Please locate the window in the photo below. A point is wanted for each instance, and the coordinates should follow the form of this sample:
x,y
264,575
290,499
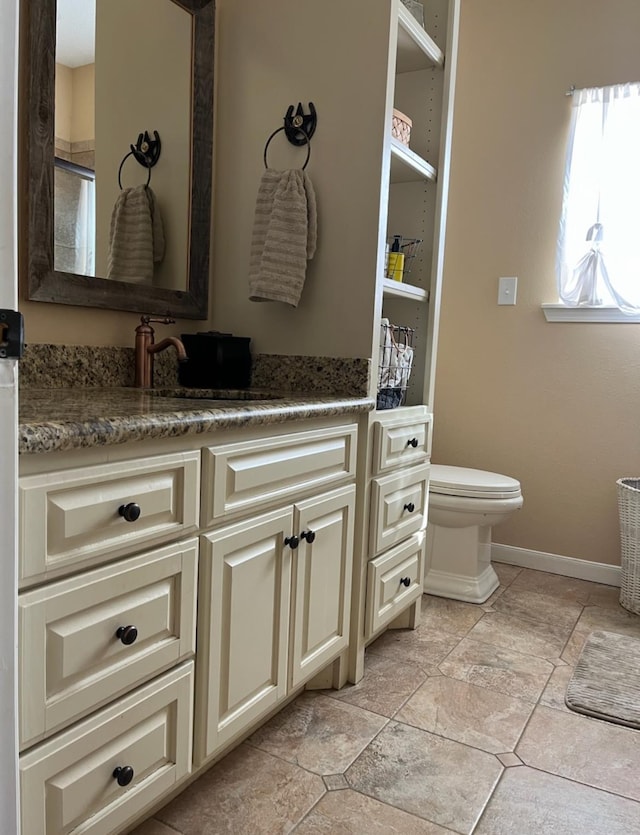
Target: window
x,y
598,254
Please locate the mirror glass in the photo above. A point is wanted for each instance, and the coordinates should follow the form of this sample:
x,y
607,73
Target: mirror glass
x,y
120,131
113,82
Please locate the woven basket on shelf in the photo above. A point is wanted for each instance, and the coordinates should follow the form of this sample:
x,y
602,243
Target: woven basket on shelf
x,y
629,509
401,127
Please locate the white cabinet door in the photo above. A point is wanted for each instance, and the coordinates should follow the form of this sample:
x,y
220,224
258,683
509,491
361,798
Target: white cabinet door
x,y
322,571
80,517
243,626
96,776
91,637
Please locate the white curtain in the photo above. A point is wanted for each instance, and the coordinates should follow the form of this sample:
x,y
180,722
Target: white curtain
x,y
598,253
85,229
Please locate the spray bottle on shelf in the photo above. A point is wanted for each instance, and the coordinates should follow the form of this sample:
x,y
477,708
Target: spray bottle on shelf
x,y
396,259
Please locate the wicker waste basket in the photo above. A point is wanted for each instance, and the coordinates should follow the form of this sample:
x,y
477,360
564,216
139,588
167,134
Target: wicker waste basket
x,y
629,509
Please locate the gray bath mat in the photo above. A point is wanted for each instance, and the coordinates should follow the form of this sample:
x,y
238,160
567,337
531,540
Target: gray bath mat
x,y
606,681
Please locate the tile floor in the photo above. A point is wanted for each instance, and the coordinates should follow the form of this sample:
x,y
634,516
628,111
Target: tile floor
x,y
459,726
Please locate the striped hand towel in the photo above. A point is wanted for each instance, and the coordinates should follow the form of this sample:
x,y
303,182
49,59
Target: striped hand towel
x,y
284,236
136,240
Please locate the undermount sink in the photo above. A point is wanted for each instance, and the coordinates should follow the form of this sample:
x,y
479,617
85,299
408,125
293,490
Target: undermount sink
x,y
216,394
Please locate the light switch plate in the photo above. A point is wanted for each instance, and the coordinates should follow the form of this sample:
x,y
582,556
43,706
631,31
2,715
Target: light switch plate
x,y
507,289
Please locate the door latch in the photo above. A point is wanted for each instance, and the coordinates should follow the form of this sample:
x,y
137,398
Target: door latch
x,y
11,335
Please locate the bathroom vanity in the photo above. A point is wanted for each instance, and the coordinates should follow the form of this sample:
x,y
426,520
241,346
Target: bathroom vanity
x,y
185,568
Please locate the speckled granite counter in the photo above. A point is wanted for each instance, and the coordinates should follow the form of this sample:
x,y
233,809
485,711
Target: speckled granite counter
x,y
60,419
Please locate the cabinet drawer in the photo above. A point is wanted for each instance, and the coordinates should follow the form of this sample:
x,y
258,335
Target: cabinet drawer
x,y
398,506
72,517
402,440
72,660
67,783
388,593
251,474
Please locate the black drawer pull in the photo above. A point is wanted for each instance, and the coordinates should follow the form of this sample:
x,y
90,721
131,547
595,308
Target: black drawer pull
x,y
410,507
292,542
308,535
405,581
131,511
412,442
123,774
127,635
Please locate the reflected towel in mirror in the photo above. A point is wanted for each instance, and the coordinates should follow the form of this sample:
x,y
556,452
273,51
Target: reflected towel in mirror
x,y
136,240
284,236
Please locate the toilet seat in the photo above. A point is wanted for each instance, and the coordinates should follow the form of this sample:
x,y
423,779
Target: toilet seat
x,y
473,484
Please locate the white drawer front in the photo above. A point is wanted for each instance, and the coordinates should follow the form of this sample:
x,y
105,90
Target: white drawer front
x,y
252,474
399,441
72,517
68,784
394,581
398,506
71,658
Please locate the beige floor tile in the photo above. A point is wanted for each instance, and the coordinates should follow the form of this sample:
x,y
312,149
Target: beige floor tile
x,y
320,734
425,646
350,813
248,791
428,776
529,637
503,670
554,584
449,615
528,802
474,715
586,750
154,827
533,605
553,694
596,617
606,596
506,573
487,606
386,685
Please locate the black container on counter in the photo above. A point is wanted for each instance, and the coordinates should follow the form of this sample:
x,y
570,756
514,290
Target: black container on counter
x,y
216,360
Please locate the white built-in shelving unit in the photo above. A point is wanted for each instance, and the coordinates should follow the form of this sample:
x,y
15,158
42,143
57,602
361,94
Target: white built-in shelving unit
x,y
420,84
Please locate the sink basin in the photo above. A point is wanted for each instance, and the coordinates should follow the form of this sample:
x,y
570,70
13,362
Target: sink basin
x,y
216,394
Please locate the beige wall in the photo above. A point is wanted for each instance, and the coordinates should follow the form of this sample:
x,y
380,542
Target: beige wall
x,y
84,99
64,102
555,405
75,103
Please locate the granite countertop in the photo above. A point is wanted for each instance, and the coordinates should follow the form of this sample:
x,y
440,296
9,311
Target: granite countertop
x,y
51,420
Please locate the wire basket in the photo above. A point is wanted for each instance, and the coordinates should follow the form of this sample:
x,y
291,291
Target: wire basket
x,y
395,362
629,510
409,248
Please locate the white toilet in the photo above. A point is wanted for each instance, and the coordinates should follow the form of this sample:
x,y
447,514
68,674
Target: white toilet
x,y
464,504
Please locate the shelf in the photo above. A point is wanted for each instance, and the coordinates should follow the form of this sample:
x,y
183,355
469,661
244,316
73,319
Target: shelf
x,y
407,166
416,49
400,290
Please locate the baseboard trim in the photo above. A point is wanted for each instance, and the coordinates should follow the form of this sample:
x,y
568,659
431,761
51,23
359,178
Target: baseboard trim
x,y
597,572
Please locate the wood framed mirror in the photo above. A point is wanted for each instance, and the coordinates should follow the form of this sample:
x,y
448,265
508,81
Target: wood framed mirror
x,y
192,160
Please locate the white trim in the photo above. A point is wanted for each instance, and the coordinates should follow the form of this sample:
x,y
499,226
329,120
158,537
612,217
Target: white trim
x,y
607,313
597,572
9,802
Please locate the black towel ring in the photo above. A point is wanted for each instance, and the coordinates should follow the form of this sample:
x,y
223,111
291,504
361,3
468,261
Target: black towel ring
x,y
148,167
304,135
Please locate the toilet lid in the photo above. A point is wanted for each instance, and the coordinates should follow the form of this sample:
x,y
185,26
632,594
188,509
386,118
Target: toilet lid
x,y
475,484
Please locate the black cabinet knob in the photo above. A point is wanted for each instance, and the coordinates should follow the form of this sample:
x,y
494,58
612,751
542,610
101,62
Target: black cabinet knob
x,y
412,442
308,535
127,634
292,542
123,774
405,581
410,507
131,511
